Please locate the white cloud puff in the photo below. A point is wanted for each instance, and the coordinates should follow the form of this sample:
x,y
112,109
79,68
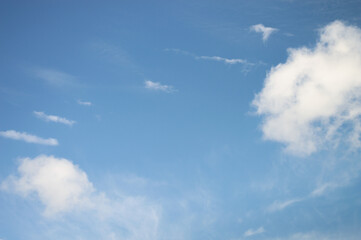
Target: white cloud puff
x,y
59,184
64,188
12,134
266,31
314,98
158,86
53,118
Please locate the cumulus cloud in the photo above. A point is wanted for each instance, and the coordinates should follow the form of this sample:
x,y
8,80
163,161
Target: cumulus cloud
x,y
57,182
251,232
28,137
84,103
314,97
266,31
63,188
158,86
53,118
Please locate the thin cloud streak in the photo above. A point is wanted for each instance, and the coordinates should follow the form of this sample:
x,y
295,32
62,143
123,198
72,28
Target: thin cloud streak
x,y
210,58
222,59
278,206
11,134
53,118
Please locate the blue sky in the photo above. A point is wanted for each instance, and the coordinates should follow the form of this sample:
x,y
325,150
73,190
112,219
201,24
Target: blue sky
x,y
135,120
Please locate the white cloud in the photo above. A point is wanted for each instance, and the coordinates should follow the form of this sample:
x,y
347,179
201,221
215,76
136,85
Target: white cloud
x,y
53,118
84,103
64,189
158,86
28,137
251,232
58,183
266,31
314,98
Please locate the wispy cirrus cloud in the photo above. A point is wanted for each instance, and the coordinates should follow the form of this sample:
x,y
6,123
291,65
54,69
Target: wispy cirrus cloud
x,y
84,103
278,205
266,31
210,58
23,136
336,178
252,232
53,118
156,86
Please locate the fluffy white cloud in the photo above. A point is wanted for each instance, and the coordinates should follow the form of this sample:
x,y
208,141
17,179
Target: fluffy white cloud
x,y
158,86
58,183
251,232
63,188
314,98
28,137
53,118
266,31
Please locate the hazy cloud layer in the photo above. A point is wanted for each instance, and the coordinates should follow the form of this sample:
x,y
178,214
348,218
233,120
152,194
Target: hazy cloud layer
x,y
56,78
314,98
53,118
12,134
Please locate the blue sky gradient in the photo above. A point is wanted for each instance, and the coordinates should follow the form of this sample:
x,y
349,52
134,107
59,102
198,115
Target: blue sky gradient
x,y
180,120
